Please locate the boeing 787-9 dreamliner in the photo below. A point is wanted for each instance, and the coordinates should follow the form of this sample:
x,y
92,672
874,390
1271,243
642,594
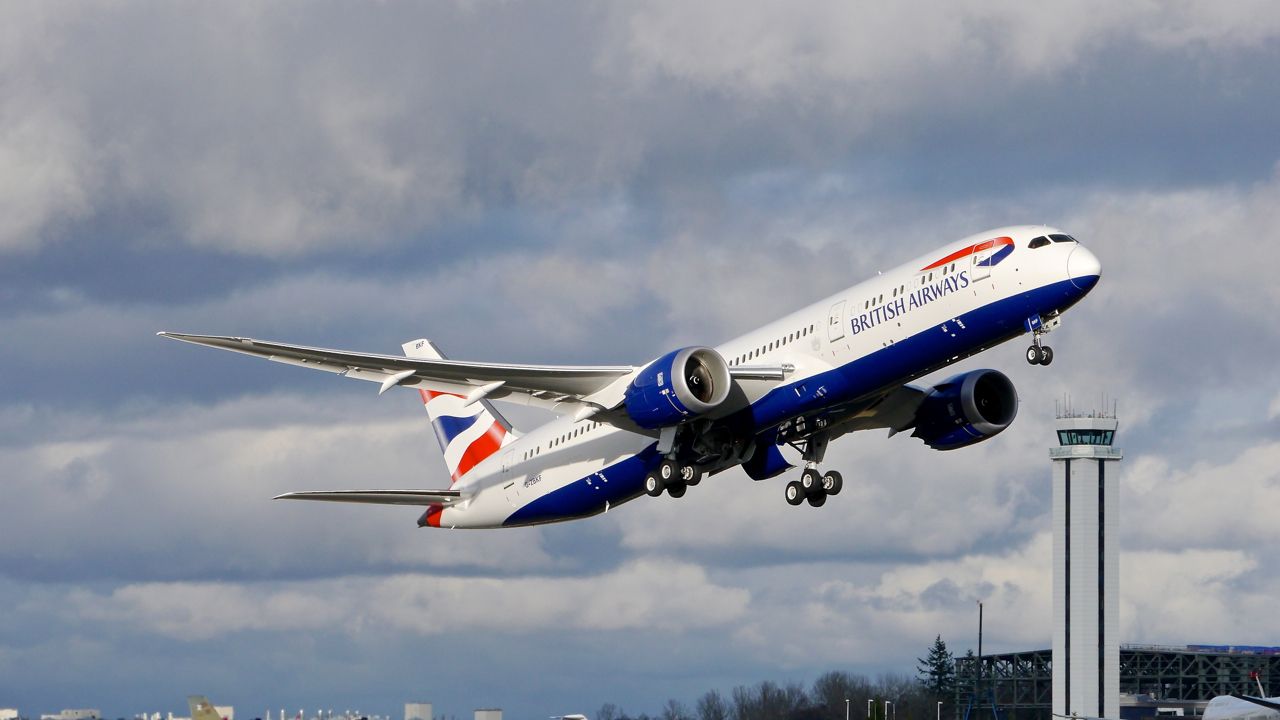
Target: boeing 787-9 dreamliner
x,y
839,365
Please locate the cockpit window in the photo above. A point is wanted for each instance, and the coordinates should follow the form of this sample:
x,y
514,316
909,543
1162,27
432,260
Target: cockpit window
x,y
1038,242
1061,238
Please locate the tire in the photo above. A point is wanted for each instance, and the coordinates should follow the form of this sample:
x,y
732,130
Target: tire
x,y
794,493
832,482
1033,355
818,500
668,470
811,481
676,490
690,475
653,485
1046,355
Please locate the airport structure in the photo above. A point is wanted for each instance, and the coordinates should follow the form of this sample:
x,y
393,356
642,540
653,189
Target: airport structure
x,y
84,714
1086,567
1088,673
488,714
1153,680
417,711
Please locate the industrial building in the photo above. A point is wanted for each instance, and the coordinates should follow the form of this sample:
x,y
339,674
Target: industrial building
x,y
1153,680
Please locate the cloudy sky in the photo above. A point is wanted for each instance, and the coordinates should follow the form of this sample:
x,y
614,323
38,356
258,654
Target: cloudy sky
x,y
596,183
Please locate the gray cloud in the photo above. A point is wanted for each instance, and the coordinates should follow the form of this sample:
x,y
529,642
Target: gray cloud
x,y
596,185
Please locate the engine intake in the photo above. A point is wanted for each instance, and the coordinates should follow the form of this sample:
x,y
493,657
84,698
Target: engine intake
x,y
966,409
678,386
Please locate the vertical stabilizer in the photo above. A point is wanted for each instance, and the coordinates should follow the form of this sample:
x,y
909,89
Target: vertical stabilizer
x,y
202,709
467,433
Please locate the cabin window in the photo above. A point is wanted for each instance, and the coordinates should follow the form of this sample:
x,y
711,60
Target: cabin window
x,y
1058,237
1038,242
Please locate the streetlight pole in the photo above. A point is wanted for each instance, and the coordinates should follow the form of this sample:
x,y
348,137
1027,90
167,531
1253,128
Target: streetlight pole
x,y
868,708
886,709
846,709
939,711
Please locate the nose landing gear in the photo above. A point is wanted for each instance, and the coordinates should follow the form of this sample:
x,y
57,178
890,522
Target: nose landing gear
x,y
1039,353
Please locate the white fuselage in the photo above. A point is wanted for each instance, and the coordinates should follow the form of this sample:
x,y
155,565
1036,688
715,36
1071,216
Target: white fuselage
x,y
903,323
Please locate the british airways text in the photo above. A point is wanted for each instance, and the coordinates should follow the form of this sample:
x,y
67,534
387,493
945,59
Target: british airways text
x,y
919,298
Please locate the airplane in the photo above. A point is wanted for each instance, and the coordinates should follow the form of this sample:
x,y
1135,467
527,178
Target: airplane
x,y
202,709
1242,707
837,366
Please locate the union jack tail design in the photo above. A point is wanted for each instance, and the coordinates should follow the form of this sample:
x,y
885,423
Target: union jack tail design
x,y
467,435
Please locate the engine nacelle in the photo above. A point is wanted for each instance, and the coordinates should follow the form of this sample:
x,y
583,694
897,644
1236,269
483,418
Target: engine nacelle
x,y
966,409
678,386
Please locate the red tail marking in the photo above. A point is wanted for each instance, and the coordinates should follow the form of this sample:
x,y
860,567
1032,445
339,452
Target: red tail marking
x,y
431,518
429,395
479,449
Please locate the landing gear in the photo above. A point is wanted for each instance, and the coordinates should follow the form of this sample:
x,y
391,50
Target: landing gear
x,y
653,484
832,483
813,487
1039,353
811,481
673,477
795,493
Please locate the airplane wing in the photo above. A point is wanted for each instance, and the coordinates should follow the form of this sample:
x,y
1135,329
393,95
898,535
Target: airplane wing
x,y
580,390
380,497
1269,703
564,389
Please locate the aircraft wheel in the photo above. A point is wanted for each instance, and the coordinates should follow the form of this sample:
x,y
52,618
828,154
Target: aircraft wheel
x,y
1033,355
1046,355
832,483
653,485
668,470
818,500
690,475
676,490
811,481
795,493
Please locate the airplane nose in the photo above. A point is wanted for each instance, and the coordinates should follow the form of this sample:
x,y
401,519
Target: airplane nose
x,y
1083,268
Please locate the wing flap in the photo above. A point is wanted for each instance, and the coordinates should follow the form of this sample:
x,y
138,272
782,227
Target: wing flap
x,y
419,498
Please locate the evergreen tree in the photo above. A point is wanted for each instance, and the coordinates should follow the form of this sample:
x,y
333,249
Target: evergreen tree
x,y
937,671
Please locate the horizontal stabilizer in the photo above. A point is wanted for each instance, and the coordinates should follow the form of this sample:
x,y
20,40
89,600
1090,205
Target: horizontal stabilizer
x,y
420,498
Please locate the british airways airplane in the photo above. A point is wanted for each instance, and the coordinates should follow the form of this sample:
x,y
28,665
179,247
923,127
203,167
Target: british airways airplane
x,y
839,365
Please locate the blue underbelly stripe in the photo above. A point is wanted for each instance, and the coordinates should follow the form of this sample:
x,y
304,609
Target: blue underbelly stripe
x,y
885,368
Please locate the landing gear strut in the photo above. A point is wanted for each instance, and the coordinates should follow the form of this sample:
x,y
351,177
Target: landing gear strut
x,y
813,487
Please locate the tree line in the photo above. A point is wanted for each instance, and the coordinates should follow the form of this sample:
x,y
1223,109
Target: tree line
x,y
833,696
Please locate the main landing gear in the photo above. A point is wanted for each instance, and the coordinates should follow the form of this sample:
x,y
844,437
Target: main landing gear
x,y
673,477
813,487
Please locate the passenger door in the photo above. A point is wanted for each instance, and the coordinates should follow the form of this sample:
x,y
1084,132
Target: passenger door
x,y
835,322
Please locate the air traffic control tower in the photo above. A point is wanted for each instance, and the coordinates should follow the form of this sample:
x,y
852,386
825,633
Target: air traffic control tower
x,y
1086,567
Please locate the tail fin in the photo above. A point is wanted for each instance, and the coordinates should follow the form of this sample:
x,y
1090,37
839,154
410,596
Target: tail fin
x,y
202,709
467,434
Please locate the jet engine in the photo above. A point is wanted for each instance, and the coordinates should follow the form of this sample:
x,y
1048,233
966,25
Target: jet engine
x,y
966,409
678,386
